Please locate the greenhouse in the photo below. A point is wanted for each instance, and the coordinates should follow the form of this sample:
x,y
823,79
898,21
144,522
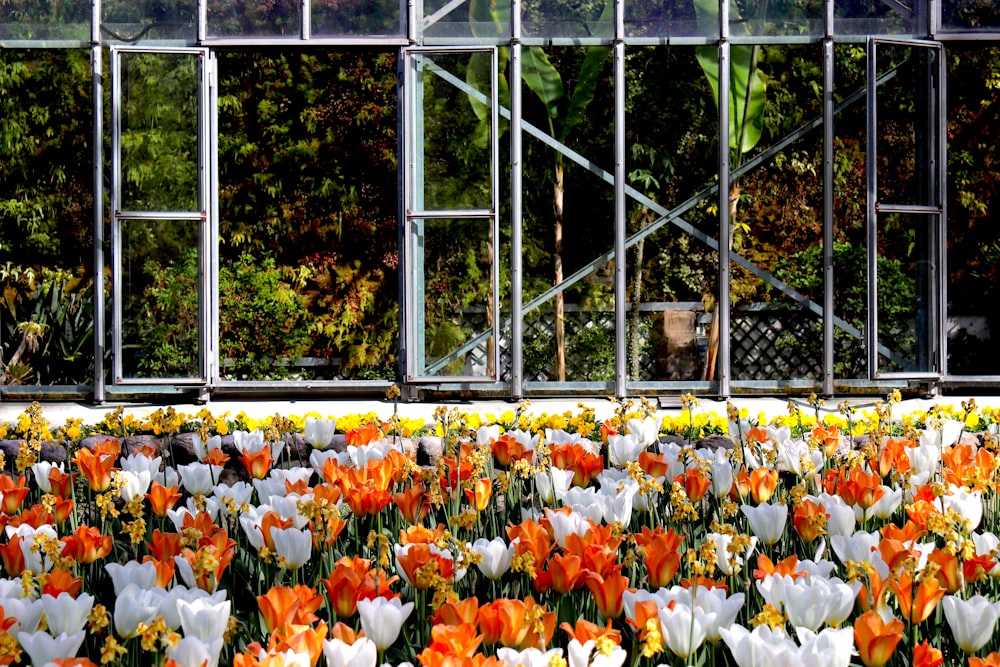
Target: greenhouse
x,y
497,200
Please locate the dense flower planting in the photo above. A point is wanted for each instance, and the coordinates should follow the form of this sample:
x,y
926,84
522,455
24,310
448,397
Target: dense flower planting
x,y
823,537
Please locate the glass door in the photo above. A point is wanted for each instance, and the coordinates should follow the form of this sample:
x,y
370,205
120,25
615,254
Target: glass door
x,y
161,210
451,254
906,208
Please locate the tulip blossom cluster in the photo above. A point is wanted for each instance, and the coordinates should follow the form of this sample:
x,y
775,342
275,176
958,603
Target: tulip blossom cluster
x,y
824,537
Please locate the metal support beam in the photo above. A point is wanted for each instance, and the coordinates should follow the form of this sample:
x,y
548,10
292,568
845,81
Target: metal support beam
x,y
829,114
516,209
96,73
621,259
722,365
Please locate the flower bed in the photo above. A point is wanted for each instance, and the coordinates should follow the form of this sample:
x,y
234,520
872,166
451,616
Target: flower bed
x,y
837,538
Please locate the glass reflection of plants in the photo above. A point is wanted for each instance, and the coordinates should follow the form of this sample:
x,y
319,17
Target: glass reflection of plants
x,y
159,133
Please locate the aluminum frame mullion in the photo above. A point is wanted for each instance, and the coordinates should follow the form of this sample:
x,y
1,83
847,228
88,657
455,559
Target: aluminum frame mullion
x,y
516,208
722,362
621,276
829,138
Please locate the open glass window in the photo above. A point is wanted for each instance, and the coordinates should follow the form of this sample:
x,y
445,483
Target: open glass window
x,y
160,208
450,191
906,208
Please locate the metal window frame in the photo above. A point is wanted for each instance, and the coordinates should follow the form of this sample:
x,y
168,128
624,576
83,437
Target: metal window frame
x,y
203,218
936,211
415,370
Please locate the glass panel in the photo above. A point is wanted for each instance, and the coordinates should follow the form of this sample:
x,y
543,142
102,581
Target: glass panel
x,y
860,17
770,18
126,21
159,131
340,18
904,115
850,272
656,18
25,20
970,15
973,197
240,18
676,272
161,298
554,18
454,298
906,293
480,22
46,218
452,170
309,282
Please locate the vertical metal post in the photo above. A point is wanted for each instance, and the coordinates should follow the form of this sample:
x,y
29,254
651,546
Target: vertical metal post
x,y
214,363
306,9
97,87
941,252
828,220
621,333
871,217
723,360
413,18
401,206
202,20
516,208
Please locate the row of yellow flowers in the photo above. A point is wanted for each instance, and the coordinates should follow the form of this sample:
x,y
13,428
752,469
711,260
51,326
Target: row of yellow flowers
x,y
803,542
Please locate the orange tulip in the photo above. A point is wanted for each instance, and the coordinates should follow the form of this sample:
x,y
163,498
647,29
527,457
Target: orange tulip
x,y
696,483
517,632
458,613
164,545
162,498
284,606
364,434
925,655
480,493
608,593
949,574
63,510
661,565
96,467
258,463
61,581
584,630
490,622
828,439
893,456
87,545
302,639
763,482
416,558
916,600
12,556
566,573
809,520
343,587
534,539
654,465
461,641
61,483
367,499
787,567
992,660
506,449
876,640
164,570
412,503
861,489
12,493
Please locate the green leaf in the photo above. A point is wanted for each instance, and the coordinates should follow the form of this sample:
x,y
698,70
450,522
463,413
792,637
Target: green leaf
x,y
585,89
746,83
542,78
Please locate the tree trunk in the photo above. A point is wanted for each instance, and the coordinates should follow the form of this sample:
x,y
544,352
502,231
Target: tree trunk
x,y
560,324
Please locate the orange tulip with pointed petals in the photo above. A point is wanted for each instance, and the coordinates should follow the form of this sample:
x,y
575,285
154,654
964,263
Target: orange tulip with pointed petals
x,y
87,545
584,631
363,435
949,574
534,539
279,609
893,456
490,622
343,587
302,639
412,503
258,463
661,565
61,581
809,520
457,613
61,483
916,600
608,592
506,449
164,546
162,498
12,556
12,493
96,467
925,655
480,493
992,660
696,483
786,567
516,632
460,640
763,483
567,573
828,438
876,640
654,465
